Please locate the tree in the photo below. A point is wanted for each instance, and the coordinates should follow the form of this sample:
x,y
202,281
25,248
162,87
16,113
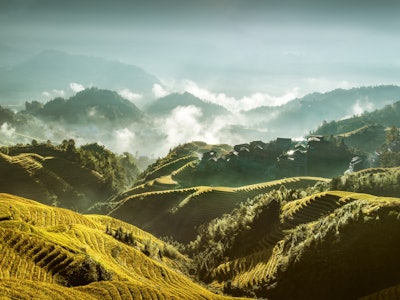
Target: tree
x,y
393,136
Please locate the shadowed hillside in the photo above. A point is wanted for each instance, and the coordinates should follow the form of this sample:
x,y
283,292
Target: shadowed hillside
x,y
178,212
52,253
292,244
64,175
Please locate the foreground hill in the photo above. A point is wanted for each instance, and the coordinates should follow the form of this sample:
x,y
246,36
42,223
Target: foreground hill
x,y
289,244
53,253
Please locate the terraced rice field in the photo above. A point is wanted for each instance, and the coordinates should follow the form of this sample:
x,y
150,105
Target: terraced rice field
x,y
177,212
269,260
39,244
170,167
391,293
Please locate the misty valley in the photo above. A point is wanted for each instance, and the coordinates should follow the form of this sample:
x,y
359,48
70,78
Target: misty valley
x,y
114,185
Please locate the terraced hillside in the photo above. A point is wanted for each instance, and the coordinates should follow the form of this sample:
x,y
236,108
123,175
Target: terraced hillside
x,y
44,177
367,138
178,161
331,245
54,253
178,212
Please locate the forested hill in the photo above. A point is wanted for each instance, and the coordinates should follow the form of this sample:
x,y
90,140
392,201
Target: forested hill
x,y
311,110
386,116
65,175
88,106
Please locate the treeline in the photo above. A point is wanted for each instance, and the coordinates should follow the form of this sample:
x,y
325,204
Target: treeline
x,y
92,104
379,182
119,172
235,235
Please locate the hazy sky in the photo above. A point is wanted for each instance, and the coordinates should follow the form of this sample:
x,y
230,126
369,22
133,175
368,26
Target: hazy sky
x,y
233,46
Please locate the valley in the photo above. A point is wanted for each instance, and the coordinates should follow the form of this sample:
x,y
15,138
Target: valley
x,y
279,218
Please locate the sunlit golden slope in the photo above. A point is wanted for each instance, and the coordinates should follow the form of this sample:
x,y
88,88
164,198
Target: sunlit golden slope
x,y
177,212
335,245
53,253
44,177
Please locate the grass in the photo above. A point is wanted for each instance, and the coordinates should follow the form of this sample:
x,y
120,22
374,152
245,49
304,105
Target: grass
x,y
41,246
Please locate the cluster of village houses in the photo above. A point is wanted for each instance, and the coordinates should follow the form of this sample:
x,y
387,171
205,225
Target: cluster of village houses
x,y
285,157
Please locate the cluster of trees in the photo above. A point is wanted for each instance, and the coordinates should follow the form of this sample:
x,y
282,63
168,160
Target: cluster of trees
x,y
390,151
121,235
94,103
233,235
119,171
86,271
380,182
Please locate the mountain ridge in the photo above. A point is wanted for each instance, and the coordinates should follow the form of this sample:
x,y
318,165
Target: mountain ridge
x,y
57,70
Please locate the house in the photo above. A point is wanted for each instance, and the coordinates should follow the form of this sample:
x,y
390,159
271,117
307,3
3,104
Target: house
x,y
283,144
240,147
209,155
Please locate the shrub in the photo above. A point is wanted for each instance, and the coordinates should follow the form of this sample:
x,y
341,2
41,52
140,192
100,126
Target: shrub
x,y
83,273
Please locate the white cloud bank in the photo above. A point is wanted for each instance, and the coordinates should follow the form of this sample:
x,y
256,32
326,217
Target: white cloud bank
x,y
129,95
231,103
7,129
54,93
76,87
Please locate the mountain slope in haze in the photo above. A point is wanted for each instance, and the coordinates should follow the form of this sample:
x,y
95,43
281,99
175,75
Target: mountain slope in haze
x,y
167,104
367,131
55,70
387,116
53,253
11,55
90,106
297,117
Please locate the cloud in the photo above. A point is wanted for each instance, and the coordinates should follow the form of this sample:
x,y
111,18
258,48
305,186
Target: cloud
x,y
54,93
76,87
7,129
129,95
362,106
233,104
124,140
183,124
322,85
159,91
